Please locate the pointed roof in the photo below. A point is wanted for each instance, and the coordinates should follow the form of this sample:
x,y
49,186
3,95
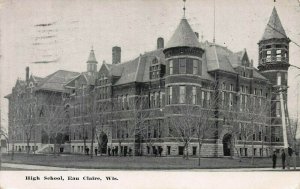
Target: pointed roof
x,y
183,36
274,28
92,57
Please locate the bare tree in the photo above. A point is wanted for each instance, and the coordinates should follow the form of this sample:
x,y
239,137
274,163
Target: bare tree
x,y
54,120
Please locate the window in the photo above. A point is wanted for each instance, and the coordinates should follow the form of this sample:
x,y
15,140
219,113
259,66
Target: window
x,y
230,99
171,67
202,98
170,95
208,98
278,55
151,100
156,99
268,59
127,101
278,79
231,87
182,66
182,94
277,109
123,102
195,66
223,98
169,150
241,102
194,97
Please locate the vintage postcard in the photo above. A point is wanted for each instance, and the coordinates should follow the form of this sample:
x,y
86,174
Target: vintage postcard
x,y
150,94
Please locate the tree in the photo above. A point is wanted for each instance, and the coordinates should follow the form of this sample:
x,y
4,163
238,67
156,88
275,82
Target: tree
x,y
54,118
27,117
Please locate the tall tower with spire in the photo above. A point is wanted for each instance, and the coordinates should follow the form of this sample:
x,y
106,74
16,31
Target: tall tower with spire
x,y
92,63
274,64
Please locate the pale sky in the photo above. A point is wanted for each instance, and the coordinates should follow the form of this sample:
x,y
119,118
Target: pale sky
x,y
134,26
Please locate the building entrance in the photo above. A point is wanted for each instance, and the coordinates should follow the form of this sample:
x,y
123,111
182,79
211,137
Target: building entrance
x,y
227,145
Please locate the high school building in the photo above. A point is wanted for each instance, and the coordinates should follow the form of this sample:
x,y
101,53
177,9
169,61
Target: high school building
x,y
166,100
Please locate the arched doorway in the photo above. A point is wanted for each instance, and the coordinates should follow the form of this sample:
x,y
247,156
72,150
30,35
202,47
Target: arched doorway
x,y
103,139
227,145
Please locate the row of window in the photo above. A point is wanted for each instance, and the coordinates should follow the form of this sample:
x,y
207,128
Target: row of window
x,y
182,95
185,66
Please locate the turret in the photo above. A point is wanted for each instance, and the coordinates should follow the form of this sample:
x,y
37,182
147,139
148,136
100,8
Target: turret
x,y
274,64
92,63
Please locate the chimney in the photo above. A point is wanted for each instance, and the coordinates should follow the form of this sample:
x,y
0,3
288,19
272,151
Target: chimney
x,y
197,35
116,55
27,73
160,43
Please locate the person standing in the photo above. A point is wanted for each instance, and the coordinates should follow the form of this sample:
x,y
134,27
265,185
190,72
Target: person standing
x,y
283,159
113,151
274,158
108,151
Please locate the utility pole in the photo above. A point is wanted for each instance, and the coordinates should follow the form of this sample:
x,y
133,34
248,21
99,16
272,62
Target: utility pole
x,y
283,119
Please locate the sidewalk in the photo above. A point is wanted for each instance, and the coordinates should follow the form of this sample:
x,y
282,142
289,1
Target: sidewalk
x,y
50,168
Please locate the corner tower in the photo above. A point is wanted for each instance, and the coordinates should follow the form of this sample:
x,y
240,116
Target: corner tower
x,y
183,56
274,64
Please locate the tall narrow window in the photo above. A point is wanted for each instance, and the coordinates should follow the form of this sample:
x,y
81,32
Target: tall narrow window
x,y
127,100
182,94
156,99
241,102
123,102
278,78
268,59
152,100
170,95
230,99
278,55
208,98
194,98
223,98
182,66
195,66
171,67
202,98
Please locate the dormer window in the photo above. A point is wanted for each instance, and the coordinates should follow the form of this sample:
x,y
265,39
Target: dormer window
x,y
155,69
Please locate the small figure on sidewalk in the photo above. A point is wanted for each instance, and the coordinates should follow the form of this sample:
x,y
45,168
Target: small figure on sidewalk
x,y
160,151
113,151
96,151
108,151
283,159
274,159
87,151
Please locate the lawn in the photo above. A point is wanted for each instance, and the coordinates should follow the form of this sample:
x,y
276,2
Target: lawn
x,y
143,162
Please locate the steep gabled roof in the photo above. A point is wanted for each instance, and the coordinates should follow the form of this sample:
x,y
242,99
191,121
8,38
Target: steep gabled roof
x,y
183,36
57,80
274,28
